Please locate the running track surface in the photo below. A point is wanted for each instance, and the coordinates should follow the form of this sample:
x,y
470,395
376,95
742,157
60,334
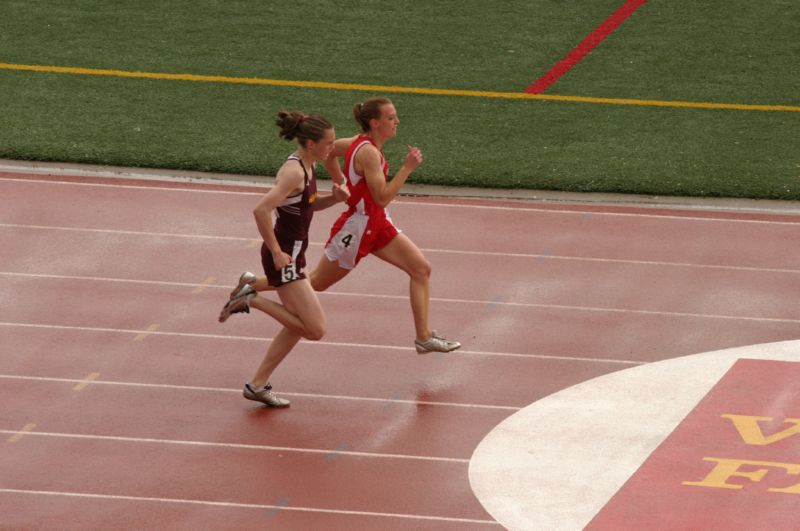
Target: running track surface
x,y
121,392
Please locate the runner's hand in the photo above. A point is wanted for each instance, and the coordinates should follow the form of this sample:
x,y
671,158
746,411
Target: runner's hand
x,y
281,260
413,158
340,192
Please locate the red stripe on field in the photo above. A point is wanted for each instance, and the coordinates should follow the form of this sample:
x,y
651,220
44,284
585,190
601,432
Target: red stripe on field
x,y
587,45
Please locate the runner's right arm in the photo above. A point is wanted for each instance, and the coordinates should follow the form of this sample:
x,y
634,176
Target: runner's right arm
x,y
384,192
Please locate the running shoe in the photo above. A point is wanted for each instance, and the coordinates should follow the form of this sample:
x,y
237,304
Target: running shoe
x,y
435,344
246,279
240,302
264,395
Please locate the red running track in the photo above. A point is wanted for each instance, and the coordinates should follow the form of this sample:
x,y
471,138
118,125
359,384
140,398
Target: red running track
x,y
121,391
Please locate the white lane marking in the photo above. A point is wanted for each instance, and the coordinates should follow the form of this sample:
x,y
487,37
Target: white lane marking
x,y
426,250
390,400
371,347
569,307
593,213
125,232
517,209
110,279
617,261
243,505
237,446
557,462
147,187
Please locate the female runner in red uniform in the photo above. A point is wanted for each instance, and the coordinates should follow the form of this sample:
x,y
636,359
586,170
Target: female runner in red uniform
x,y
366,227
294,200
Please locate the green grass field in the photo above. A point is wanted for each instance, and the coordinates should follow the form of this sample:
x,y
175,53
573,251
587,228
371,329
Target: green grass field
x,y
713,51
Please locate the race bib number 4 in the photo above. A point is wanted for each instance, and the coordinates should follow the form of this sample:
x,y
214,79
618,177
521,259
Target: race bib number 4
x,y
346,239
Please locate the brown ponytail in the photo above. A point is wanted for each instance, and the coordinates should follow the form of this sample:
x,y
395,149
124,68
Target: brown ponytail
x,y
296,125
369,110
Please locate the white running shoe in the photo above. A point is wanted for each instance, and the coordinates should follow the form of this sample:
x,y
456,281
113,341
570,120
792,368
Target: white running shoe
x,y
436,344
246,278
240,302
264,395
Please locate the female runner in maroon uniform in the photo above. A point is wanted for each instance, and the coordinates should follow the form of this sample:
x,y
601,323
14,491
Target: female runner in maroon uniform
x,y
294,200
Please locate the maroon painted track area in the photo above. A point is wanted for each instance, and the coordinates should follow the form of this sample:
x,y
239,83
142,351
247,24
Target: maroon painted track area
x,y
121,392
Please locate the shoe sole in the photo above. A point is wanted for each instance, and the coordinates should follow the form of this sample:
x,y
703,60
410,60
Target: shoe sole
x,y
229,308
242,283
256,399
227,311
421,352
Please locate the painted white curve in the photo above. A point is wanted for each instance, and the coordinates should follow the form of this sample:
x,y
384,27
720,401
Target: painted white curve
x,y
555,464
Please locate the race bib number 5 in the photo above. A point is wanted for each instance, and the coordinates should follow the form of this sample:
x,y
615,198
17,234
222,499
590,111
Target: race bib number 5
x,y
289,273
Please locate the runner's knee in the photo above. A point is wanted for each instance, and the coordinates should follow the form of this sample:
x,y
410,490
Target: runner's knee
x,y
317,284
315,332
421,270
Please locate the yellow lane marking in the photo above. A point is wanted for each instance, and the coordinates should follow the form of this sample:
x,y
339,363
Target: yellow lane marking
x,y
204,285
150,329
86,381
396,89
17,436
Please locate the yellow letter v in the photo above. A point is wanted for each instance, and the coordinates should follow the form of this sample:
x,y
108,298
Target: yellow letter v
x,y
751,433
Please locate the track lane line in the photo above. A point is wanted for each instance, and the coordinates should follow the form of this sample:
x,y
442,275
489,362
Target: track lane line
x,y
424,249
153,328
210,503
141,187
236,446
371,348
409,202
146,385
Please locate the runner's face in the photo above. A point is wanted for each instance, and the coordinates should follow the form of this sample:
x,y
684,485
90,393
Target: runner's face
x,y
388,122
323,147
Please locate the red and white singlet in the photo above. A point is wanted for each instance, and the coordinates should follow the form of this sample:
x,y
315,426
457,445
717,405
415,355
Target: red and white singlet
x,y
365,227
